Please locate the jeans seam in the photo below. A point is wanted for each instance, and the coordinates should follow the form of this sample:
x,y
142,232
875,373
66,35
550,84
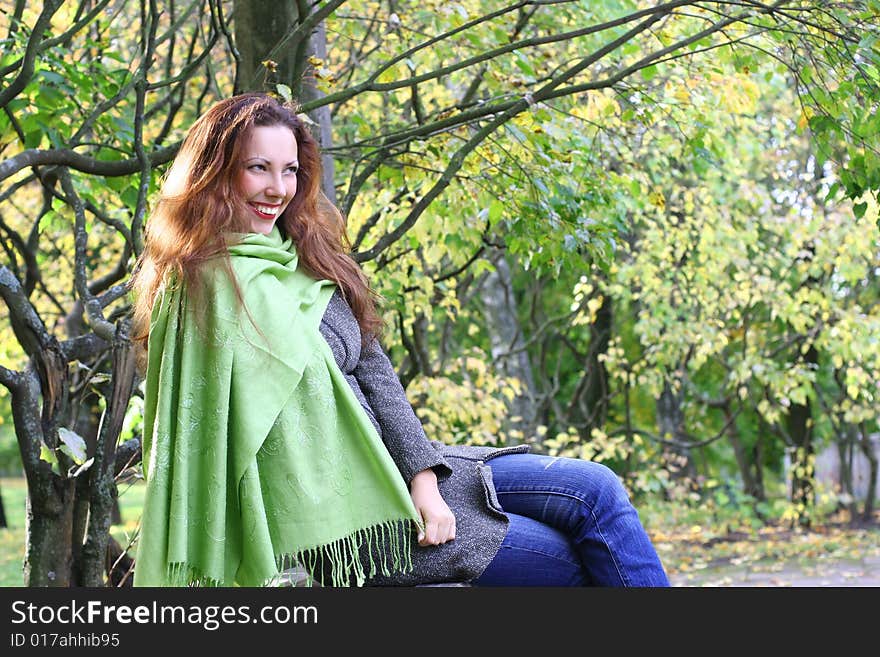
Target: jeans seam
x,y
543,554
589,508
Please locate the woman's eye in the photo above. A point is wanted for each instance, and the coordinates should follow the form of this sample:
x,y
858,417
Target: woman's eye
x,y
257,167
293,170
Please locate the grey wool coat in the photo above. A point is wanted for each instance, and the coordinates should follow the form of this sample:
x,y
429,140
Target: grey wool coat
x,y
464,479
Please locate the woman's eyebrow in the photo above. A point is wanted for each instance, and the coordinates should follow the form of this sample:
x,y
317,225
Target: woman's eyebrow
x,y
266,159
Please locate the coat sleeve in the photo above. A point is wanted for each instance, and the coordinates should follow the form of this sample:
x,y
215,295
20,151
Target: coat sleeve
x,y
402,431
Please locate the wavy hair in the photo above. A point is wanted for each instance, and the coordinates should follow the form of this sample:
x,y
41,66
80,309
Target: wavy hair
x,y
199,206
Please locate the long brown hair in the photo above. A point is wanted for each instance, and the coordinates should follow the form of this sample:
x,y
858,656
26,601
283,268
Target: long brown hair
x,y
199,206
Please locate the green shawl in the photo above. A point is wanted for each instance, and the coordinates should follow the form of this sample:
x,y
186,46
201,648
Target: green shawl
x,y
257,453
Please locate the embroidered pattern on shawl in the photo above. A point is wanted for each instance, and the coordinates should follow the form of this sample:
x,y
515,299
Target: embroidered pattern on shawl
x,y
256,451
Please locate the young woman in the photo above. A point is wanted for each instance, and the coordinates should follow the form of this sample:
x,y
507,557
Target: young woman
x,y
276,429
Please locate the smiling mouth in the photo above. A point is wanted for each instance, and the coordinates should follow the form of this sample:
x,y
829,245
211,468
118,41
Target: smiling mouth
x,y
265,211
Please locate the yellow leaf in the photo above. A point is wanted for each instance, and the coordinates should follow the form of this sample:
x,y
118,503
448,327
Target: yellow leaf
x,y
657,199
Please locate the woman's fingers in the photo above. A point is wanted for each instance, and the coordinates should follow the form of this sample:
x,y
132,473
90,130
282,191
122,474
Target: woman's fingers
x,y
438,531
438,519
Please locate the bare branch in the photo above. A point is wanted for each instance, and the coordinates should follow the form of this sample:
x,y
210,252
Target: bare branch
x,y
92,306
220,22
370,84
69,158
83,347
9,378
128,454
520,105
187,72
34,46
149,41
28,427
26,323
176,22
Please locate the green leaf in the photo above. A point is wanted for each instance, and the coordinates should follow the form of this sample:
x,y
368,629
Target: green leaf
x,y
832,191
859,210
806,75
496,209
33,138
49,456
649,72
54,220
72,444
475,39
46,454
524,65
285,92
129,196
116,183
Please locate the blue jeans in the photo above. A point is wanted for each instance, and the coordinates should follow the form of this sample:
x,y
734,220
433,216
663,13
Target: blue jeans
x,y
571,524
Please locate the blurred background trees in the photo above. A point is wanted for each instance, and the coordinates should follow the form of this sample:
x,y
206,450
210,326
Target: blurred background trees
x,y
643,233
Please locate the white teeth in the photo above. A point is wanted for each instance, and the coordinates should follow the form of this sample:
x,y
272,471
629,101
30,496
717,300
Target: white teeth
x,y
265,209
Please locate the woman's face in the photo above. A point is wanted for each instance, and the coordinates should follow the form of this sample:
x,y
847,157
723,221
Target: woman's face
x,y
266,176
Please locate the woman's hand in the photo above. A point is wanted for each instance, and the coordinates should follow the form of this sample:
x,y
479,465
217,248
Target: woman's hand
x,y
439,519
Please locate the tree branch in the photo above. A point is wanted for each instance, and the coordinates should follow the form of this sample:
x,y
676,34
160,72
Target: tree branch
x,y
520,105
9,378
301,32
92,306
69,158
83,347
370,83
29,329
30,54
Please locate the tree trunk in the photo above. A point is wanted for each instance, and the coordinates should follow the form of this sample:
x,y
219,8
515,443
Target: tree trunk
x,y
670,423
120,566
869,449
3,523
85,414
48,559
260,25
595,397
50,500
747,460
321,116
758,460
102,488
800,428
506,338
67,517
845,458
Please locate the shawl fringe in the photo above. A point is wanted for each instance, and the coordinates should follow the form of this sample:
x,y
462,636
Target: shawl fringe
x,y
386,548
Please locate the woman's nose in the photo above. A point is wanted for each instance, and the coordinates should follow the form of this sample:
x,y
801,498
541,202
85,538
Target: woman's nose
x,y
275,185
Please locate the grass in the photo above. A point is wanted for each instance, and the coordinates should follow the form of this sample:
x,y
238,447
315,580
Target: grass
x,y
131,503
12,539
14,491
